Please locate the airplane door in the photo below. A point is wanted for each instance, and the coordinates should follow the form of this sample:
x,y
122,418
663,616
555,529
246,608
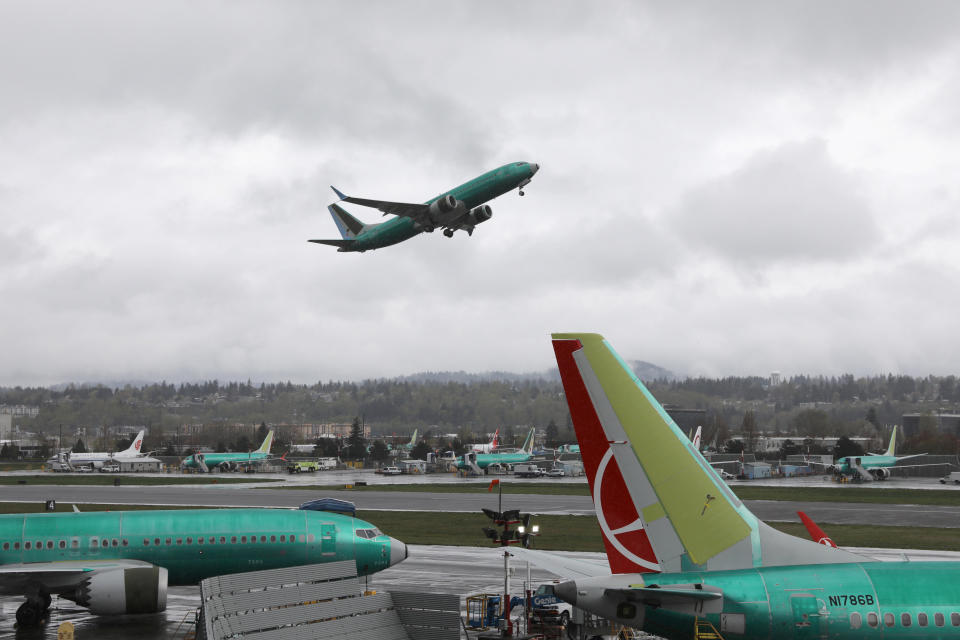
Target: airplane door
x,y
328,540
807,623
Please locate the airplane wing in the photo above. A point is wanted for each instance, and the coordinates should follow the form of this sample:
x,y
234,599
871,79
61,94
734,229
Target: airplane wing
x,y
57,577
404,209
560,565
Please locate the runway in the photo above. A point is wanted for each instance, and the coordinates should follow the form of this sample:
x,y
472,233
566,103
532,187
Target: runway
x,y
241,496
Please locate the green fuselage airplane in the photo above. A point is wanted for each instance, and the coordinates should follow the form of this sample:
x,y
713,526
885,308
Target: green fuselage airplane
x,y
462,207
689,560
229,461
874,466
484,460
122,561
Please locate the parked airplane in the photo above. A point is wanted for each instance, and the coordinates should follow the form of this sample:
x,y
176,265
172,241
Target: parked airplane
x,y
122,561
873,466
96,459
490,447
472,459
413,441
662,509
460,208
229,461
696,438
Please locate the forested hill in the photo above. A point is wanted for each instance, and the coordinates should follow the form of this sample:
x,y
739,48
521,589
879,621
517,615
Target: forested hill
x,y
839,404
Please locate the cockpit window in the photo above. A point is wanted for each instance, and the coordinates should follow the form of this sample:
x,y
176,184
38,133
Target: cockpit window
x,y
369,533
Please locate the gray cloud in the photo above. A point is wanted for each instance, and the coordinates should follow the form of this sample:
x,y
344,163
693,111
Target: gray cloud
x,y
788,204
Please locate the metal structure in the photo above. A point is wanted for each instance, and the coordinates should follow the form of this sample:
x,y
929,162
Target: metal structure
x,y
320,602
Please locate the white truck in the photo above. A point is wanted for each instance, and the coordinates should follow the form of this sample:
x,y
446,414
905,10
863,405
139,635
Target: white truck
x,y
527,470
954,477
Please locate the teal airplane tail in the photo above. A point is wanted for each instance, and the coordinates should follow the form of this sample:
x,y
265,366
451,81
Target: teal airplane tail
x,y
348,226
528,443
891,450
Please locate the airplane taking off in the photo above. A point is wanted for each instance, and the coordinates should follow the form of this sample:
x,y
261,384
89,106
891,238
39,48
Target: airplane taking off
x,y
460,208
686,554
490,447
96,459
229,461
873,466
473,459
121,562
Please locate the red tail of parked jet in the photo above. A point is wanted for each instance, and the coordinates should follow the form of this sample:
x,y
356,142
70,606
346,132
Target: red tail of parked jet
x,y
628,548
816,533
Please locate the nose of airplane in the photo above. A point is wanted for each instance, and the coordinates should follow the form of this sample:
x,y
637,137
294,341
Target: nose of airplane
x,y
398,551
534,168
567,591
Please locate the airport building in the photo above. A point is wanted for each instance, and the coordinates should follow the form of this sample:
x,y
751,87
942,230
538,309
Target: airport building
x,y
945,423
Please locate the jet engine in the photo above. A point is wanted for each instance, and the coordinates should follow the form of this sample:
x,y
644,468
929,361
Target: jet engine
x,y
120,591
446,204
480,214
880,473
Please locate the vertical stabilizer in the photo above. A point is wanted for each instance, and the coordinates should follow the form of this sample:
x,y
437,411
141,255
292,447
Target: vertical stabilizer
x,y
495,441
696,438
267,443
134,449
527,447
659,504
413,438
892,448
349,226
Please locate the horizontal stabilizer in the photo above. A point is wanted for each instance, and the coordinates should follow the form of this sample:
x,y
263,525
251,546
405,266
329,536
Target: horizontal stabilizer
x,y
560,565
343,244
667,596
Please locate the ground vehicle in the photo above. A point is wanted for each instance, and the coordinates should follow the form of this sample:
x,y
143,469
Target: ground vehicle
x,y
83,469
110,468
954,477
544,599
303,466
527,470
390,471
555,473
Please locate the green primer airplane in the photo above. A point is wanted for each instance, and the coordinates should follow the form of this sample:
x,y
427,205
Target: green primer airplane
x,y
873,466
686,555
122,561
484,460
229,461
460,208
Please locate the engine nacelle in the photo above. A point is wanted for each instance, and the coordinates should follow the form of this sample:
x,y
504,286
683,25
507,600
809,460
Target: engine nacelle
x,y
880,473
120,591
480,214
97,464
442,207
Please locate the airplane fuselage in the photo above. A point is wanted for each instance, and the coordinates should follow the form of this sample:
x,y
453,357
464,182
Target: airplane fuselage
x,y
484,460
837,601
196,544
212,460
472,194
847,465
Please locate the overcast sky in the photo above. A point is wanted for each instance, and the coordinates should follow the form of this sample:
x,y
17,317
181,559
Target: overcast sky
x,y
725,188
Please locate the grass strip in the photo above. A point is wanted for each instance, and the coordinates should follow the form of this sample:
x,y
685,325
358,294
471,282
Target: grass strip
x,y
562,533
104,479
936,497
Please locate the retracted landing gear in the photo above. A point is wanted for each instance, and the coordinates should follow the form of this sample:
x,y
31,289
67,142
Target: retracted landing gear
x,y
448,233
34,609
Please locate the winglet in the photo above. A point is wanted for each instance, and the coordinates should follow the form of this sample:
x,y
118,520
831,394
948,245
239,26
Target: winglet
x,y
339,193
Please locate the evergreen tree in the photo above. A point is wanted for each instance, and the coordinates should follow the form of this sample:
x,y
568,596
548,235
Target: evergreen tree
x,y
379,451
872,417
749,429
420,451
846,447
356,443
553,434
262,432
79,447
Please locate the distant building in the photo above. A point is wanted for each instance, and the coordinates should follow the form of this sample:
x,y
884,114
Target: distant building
x,y
946,423
19,410
6,426
775,379
687,419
